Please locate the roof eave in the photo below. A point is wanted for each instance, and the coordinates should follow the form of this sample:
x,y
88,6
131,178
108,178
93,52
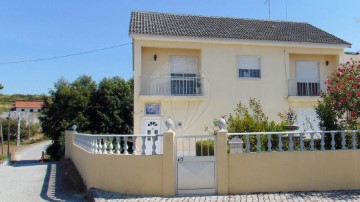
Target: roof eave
x,y
237,41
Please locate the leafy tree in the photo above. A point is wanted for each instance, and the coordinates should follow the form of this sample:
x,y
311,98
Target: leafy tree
x,y
14,129
112,107
1,86
103,108
341,99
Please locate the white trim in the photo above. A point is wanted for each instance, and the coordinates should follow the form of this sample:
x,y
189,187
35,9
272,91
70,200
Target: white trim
x,y
238,41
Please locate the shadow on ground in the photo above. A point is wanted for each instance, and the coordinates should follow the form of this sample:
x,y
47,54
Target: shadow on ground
x,y
61,182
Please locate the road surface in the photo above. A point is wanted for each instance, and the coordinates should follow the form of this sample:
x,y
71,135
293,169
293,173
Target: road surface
x,y
30,180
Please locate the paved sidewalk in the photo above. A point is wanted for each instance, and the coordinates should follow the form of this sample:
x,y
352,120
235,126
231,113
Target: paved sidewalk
x,y
101,196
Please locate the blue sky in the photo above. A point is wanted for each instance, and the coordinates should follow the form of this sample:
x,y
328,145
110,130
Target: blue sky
x,y
41,29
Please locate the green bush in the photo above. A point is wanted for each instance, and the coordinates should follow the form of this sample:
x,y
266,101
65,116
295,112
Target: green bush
x,y
57,149
207,147
251,119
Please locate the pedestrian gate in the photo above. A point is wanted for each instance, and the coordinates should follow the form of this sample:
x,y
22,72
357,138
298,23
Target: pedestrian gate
x,y
195,164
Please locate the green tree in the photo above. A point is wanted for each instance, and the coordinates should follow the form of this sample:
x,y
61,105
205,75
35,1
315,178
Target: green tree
x,y
1,86
66,106
112,107
103,108
342,99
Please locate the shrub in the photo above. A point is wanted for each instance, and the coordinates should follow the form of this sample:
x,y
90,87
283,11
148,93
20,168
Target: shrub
x,y
205,148
57,149
251,119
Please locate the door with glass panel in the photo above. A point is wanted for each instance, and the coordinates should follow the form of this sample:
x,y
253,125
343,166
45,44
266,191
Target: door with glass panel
x,y
184,77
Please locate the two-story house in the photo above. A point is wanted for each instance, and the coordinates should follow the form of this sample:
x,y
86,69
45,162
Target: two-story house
x,y
197,68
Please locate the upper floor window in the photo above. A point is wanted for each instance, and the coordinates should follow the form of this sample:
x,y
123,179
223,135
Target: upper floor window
x,y
249,67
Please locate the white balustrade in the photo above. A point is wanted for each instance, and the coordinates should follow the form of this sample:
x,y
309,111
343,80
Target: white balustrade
x,y
118,144
308,141
322,143
291,142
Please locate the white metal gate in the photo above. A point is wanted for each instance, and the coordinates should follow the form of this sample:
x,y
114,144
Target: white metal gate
x,y
195,164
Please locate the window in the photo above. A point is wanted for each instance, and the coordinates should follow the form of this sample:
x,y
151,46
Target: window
x,y
307,78
249,66
184,75
31,110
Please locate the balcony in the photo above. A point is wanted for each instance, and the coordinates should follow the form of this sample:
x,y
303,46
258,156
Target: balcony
x,y
306,87
174,85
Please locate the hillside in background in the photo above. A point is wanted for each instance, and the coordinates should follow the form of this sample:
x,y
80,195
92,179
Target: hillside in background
x,y
7,101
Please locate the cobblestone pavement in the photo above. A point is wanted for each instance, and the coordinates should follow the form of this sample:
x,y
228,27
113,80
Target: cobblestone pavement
x,y
101,196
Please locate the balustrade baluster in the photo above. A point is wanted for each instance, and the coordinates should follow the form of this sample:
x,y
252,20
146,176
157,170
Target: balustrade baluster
x,y
322,143
88,144
96,145
126,145
258,147
269,143
143,147
208,147
111,146
100,145
117,147
291,142
353,141
301,141
280,145
93,145
312,141
104,148
247,143
154,145
134,145
343,140
332,140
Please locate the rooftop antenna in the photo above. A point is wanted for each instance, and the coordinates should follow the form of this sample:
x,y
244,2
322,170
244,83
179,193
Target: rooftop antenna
x,y
269,4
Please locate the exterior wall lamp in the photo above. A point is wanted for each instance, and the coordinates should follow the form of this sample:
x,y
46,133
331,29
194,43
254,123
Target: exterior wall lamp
x,y
327,62
155,57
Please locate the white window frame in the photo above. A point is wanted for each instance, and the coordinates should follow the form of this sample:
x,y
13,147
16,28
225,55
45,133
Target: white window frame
x,y
238,67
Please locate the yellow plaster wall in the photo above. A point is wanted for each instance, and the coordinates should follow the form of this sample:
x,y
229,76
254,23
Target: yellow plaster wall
x,y
128,174
223,89
294,171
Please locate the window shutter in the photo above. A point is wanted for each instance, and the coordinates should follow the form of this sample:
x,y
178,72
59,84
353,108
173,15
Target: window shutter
x,y
184,65
249,62
307,71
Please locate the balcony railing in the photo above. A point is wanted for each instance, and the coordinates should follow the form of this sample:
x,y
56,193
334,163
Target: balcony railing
x,y
171,85
306,87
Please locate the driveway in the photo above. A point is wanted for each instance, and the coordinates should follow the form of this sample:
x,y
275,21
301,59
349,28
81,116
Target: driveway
x,y
30,180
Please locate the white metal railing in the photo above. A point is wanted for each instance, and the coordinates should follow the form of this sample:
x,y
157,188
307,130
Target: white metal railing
x,y
306,87
171,85
295,141
119,144
196,145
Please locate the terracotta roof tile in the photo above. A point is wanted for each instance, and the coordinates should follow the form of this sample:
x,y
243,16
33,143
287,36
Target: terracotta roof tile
x,y
165,24
28,104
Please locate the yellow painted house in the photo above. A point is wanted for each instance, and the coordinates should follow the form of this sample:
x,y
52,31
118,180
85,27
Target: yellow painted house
x,y
197,68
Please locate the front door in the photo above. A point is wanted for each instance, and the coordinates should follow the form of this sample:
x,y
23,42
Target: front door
x,y
152,127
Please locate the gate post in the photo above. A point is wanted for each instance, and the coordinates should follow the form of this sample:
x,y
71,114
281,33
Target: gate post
x,y
222,170
169,163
